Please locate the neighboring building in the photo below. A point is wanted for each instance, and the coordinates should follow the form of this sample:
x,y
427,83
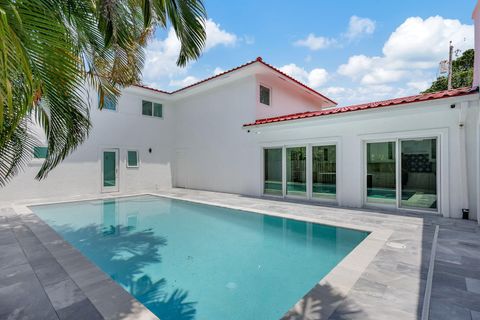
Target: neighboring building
x,y
255,131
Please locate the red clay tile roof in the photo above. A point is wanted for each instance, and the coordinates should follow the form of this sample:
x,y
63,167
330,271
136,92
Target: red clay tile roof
x,y
259,60
370,105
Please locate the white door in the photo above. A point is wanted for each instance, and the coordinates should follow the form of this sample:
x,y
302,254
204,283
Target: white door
x,y
180,169
110,170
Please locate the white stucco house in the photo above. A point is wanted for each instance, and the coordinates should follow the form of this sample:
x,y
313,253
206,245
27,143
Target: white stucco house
x,y
256,131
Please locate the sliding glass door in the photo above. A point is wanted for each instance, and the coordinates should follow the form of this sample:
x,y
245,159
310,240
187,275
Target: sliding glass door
x,y
381,177
419,173
297,171
307,171
272,183
324,172
410,182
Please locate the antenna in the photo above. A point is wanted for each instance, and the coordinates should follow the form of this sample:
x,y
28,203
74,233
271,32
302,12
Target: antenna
x,y
450,56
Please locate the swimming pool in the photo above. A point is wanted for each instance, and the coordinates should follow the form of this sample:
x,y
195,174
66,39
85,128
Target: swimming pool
x,y
185,260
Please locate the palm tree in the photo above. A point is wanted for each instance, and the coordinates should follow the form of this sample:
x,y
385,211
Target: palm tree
x,y
52,50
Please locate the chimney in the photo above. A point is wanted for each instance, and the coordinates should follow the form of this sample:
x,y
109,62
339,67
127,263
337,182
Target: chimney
x,y
476,66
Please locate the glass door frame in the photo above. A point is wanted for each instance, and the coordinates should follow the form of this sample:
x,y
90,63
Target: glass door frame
x,y
337,171
437,172
117,175
398,172
365,174
308,183
309,178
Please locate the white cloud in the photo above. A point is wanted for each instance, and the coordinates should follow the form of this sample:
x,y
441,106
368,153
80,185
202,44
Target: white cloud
x,y
217,36
183,82
356,66
419,85
314,78
359,26
314,43
161,55
410,53
317,77
217,71
368,93
356,28
425,42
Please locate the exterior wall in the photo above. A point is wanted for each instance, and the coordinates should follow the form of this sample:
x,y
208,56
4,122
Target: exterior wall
x,y
212,150
351,131
200,144
125,129
284,100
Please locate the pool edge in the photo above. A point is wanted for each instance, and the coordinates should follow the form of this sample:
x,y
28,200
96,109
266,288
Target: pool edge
x,y
330,291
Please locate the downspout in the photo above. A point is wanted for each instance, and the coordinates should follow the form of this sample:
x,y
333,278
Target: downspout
x,y
463,155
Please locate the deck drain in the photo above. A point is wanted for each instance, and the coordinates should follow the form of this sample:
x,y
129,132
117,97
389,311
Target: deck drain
x,y
396,245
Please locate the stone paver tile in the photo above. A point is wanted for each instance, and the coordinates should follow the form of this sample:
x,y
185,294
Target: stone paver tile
x,y
441,311
11,255
51,273
449,280
25,300
473,285
475,315
64,293
454,296
80,310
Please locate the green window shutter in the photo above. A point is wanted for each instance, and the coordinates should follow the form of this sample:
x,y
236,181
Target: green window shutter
x,y
146,108
40,152
132,159
157,110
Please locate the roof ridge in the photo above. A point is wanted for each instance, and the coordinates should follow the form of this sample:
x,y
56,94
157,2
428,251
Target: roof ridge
x,y
369,105
259,60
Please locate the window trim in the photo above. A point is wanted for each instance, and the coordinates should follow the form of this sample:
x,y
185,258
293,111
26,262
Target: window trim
x,y
138,159
260,84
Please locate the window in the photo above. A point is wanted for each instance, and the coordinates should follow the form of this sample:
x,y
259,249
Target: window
x,y
410,181
264,95
272,183
152,109
381,173
157,110
297,171
324,172
40,152
108,103
419,173
132,159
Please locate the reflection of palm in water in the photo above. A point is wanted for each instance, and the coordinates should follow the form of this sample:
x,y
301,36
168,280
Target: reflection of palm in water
x,y
166,307
123,254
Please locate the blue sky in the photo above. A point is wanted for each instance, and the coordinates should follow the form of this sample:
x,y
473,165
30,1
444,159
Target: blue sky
x,y
352,51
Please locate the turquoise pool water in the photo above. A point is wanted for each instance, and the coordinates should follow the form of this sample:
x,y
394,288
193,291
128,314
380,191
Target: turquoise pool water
x,y
184,260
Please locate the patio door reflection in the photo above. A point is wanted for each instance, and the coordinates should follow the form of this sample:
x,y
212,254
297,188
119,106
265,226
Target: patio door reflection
x,y
324,172
419,173
381,173
297,171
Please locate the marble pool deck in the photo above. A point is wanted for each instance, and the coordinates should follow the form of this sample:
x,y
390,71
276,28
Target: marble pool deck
x,y
385,277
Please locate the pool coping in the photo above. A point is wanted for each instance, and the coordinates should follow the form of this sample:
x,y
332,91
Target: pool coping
x,y
338,281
